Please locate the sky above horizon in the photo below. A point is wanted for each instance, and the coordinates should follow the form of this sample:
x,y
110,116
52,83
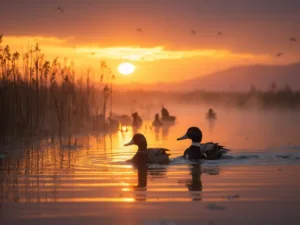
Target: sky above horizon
x,y
253,32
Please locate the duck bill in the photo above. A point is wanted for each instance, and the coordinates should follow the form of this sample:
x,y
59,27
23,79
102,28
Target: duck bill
x,y
129,143
183,137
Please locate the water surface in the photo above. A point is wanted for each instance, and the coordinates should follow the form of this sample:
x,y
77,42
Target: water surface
x,y
41,183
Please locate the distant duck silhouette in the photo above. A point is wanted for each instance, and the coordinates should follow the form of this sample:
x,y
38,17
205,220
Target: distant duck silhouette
x,y
165,116
137,120
157,122
279,54
124,120
211,114
292,39
112,123
139,30
146,155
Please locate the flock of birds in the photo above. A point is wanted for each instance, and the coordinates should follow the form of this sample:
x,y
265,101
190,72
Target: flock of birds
x,y
219,33
193,32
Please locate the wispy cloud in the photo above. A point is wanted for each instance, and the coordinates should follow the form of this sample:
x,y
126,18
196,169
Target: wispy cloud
x,y
25,40
153,63
66,48
160,53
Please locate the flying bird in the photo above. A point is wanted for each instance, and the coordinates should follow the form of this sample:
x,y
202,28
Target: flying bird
x,y
139,30
279,54
292,39
220,33
60,9
93,53
193,32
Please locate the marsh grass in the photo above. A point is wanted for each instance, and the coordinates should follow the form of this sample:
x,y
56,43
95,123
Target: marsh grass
x,y
45,98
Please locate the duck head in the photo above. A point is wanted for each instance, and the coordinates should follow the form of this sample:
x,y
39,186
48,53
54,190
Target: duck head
x,y
193,133
156,116
139,140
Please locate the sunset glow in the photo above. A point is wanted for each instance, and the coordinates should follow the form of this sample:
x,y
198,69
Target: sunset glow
x,y
126,68
149,111
156,63
163,49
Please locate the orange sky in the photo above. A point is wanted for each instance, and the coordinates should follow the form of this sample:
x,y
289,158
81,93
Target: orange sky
x,y
166,50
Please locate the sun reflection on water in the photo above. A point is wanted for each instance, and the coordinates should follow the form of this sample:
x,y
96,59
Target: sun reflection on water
x,y
97,171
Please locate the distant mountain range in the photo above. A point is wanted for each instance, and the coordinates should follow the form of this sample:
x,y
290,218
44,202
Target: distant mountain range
x,y
234,79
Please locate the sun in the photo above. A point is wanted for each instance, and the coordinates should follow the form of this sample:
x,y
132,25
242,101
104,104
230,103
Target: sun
x,y
126,68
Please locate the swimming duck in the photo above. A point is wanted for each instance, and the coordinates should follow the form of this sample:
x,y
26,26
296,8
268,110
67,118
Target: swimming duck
x,y
211,114
209,150
165,116
157,122
146,155
137,120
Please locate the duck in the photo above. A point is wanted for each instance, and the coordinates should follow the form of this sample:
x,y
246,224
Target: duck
x,y
157,122
208,151
146,155
211,114
165,116
137,120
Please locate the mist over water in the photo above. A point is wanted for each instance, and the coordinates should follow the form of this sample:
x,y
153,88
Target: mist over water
x,y
265,153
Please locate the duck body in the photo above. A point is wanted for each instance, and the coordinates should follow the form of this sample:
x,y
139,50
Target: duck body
x,y
112,124
211,114
166,117
146,155
137,120
157,122
124,120
151,156
170,119
209,150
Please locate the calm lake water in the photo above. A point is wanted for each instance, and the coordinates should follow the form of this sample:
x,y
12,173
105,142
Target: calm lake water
x,y
257,182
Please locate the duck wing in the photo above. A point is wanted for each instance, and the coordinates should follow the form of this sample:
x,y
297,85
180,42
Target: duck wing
x,y
158,155
213,150
157,151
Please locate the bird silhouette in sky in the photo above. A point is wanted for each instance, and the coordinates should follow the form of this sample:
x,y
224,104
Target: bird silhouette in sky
x,y
60,9
193,32
279,54
220,33
139,30
292,39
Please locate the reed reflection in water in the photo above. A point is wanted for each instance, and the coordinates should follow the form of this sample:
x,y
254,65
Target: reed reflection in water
x,y
96,171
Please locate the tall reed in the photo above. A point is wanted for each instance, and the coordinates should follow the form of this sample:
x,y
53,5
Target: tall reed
x,y
47,98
